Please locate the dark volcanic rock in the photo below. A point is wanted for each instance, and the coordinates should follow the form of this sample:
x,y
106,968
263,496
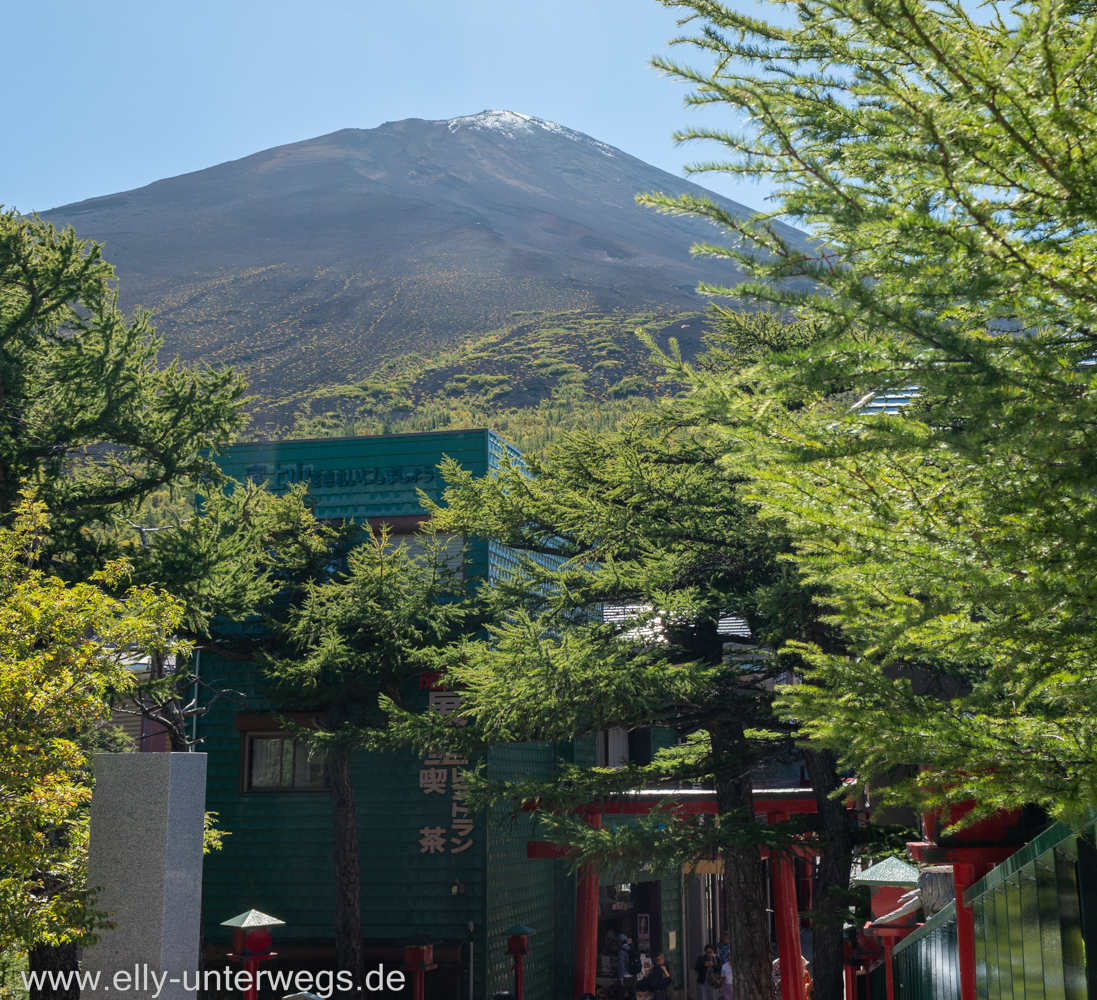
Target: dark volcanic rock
x,y
304,264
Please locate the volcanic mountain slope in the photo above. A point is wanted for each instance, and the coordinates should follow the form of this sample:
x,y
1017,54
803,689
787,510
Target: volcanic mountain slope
x,y
306,264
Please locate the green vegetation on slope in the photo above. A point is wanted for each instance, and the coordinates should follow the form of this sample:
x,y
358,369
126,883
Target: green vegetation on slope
x,y
543,374
529,428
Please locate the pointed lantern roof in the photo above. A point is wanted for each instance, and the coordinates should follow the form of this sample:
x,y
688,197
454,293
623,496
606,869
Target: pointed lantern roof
x,y
890,871
251,919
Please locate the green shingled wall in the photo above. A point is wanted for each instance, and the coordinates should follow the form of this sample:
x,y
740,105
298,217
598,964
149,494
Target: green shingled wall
x,y
278,858
671,894
520,891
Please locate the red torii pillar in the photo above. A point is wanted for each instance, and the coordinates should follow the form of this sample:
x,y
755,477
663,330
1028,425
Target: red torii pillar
x,y
969,864
787,915
586,922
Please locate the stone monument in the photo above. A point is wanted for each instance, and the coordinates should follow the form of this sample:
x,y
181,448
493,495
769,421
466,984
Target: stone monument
x,y
145,855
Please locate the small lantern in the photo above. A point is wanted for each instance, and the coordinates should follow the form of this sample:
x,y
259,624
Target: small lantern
x,y
419,956
518,939
518,947
888,881
251,943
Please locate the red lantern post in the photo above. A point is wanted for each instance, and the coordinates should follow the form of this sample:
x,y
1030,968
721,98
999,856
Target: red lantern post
x,y
419,960
888,882
251,945
518,946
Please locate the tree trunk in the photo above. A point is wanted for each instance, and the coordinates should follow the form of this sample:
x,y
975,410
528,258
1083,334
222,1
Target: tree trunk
x,y
56,959
744,874
348,884
832,886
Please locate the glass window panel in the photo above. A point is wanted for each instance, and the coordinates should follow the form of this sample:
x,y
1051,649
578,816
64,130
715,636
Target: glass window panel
x,y
1030,932
954,957
990,943
1070,922
1016,965
287,763
931,967
1001,924
309,767
978,913
1050,934
266,762
281,762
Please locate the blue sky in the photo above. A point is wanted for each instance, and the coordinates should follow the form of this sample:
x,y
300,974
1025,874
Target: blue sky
x,y
118,94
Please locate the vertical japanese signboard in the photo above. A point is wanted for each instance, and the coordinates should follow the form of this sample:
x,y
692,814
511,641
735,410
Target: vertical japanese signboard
x,y
443,776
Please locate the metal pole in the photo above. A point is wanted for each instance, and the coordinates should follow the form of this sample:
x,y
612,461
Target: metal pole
x,y
197,674
472,964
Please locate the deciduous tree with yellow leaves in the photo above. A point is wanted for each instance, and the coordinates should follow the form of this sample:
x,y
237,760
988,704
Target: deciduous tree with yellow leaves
x,y
62,648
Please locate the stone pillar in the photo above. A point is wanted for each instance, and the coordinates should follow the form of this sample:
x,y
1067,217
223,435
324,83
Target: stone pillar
x,y
145,856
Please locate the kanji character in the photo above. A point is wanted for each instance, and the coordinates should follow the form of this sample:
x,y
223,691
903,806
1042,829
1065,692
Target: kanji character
x,y
464,847
432,840
446,703
433,779
446,761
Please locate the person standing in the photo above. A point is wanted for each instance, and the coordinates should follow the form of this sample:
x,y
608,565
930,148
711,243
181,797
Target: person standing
x,y
626,981
727,991
707,968
661,977
723,949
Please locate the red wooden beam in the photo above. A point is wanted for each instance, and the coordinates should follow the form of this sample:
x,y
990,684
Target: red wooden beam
x,y
789,801
542,849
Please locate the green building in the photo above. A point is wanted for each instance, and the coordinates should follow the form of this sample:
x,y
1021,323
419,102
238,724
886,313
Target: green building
x,y
430,870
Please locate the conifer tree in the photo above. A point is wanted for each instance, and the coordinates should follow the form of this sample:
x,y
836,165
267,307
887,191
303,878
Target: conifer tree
x,y
347,640
229,561
943,163
87,415
93,422
646,521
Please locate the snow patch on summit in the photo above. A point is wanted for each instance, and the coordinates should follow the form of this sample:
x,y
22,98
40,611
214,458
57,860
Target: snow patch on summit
x,y
510,122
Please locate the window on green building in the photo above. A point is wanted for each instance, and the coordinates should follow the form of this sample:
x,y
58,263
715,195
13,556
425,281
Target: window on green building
x,y
276,762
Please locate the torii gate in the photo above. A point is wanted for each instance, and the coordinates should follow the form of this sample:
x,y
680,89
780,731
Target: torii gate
x,y
776,804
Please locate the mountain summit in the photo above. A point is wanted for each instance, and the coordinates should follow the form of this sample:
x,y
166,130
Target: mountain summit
x,y
310,262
